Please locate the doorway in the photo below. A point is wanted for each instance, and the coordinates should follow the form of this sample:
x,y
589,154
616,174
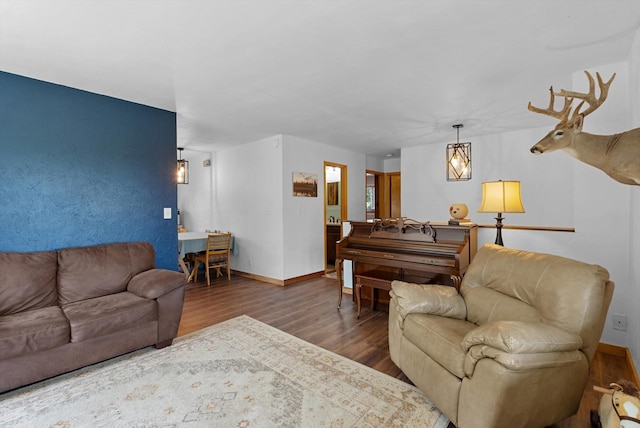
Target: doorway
x,y
382,194
335,210
393,194
373,183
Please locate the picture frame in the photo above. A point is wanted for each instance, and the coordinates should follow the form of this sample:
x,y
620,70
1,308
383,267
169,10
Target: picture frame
x,y
305,184
332,193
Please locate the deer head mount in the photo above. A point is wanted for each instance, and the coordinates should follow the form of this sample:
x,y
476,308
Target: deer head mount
x,y
617,155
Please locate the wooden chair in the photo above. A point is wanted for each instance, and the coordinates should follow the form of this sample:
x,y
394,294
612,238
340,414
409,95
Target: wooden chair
x,y
216,256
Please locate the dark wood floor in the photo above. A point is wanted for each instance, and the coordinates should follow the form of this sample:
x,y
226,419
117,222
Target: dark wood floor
x,y
308,310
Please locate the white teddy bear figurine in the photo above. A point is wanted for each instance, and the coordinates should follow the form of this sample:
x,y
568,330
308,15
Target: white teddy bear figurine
x,y
459,212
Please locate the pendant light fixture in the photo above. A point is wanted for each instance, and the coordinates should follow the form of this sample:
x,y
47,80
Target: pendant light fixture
x,y
182,169
458,159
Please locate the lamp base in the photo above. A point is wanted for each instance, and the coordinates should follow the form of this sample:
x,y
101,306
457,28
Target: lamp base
x,y
499,230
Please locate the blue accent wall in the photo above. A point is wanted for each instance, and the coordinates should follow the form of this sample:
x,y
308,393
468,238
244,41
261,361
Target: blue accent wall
x,y
77,168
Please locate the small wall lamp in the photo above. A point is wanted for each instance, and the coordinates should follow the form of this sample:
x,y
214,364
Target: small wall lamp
x,y
458,159
182,169
501,197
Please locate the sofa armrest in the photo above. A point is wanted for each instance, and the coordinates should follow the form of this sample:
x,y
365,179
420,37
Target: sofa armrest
x,y
428,299
154,283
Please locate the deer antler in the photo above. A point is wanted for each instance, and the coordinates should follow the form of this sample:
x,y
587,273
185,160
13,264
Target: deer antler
x,y
569,96
549,111
589,98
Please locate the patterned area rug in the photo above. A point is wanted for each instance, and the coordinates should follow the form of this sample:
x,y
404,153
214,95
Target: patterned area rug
x,y
239,373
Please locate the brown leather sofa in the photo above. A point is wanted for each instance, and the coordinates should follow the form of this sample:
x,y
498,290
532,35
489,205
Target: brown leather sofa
x,y
513,348
62,310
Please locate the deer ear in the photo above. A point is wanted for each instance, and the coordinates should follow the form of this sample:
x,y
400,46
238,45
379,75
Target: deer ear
x,y
577,122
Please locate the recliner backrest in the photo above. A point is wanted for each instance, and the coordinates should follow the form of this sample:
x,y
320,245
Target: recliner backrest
x,y
508,284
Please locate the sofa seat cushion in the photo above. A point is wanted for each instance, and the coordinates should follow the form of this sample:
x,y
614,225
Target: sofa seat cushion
x,y
440,338
32,331
108,314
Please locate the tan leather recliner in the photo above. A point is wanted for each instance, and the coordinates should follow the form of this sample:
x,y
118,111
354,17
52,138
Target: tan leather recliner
x,y
513,348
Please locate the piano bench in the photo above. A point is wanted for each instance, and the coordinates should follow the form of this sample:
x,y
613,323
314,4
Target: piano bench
x,y
379,280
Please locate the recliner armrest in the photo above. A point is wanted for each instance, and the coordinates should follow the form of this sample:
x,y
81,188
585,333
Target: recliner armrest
x,y
518,337
521,345
154,283
520,362
428,299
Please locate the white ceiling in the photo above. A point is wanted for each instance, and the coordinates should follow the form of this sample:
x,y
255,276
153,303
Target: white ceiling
x,y
369,76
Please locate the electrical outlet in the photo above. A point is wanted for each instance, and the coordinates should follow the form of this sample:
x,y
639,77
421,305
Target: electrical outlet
x,y
619,322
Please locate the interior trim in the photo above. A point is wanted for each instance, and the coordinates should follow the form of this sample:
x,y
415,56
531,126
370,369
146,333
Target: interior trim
x,y
544,228
280,282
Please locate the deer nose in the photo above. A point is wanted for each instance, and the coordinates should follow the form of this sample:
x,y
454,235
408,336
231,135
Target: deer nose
x,y
535,150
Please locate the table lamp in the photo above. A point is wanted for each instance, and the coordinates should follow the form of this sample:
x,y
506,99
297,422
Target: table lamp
x,y
501,197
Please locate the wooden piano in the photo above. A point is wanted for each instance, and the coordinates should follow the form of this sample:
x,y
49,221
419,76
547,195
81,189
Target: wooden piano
x,y
407,250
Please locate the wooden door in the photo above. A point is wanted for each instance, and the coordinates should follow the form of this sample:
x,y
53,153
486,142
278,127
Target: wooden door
x,y
390,199
394,195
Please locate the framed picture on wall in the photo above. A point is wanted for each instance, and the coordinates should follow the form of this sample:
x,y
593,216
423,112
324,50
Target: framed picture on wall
x,y
305,184
332,193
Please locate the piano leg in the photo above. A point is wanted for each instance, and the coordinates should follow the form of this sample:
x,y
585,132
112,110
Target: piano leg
x,y
358,291
339,274
457,280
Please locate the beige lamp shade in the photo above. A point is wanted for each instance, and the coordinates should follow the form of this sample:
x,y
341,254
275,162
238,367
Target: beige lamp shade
x,y
501,197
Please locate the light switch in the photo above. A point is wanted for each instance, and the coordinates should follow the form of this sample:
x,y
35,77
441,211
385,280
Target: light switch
x,y
167,213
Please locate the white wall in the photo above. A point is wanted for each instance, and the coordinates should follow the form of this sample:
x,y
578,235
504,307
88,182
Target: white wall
x,y
383,165
374,164
247,200
426,194
248,190
304,222
634,248
557,190
195,198
392,165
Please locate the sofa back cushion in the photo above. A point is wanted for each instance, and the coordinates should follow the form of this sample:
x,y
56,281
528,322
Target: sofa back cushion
x,y
27,281
88,272
508,284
